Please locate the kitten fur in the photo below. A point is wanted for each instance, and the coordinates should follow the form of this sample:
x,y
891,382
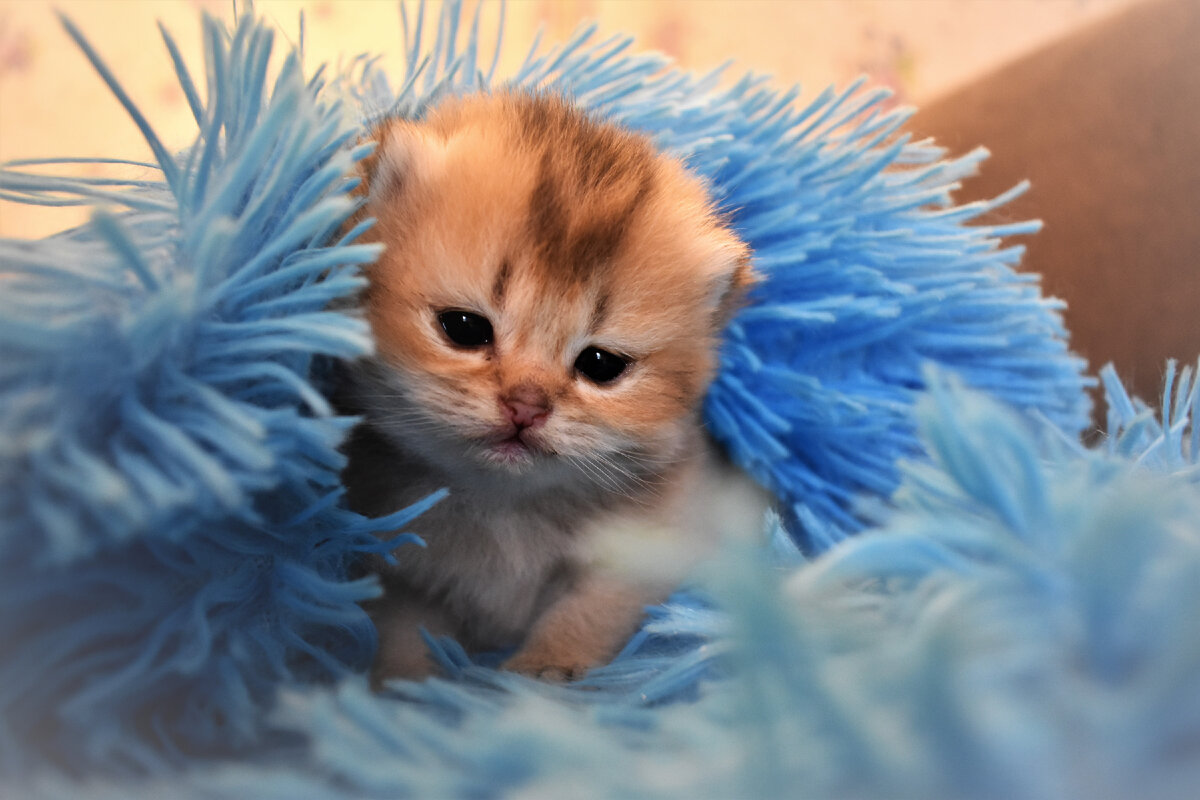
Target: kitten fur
x,y
573,504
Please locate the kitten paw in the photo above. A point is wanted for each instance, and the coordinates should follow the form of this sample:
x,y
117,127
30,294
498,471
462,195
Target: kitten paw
x,y
410,667
552,667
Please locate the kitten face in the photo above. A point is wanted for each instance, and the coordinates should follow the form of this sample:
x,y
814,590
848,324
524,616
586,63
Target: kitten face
x,y
551,293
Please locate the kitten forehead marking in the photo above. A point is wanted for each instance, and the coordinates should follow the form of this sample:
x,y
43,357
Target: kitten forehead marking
x,y
578,223
501,283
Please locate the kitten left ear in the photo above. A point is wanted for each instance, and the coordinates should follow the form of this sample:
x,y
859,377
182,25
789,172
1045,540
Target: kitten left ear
x,y
731,285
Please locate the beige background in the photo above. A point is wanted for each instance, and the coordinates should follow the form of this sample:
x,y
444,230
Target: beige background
x,y
53,104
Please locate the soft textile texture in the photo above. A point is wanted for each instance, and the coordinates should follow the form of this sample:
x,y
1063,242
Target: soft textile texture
x,y
178,617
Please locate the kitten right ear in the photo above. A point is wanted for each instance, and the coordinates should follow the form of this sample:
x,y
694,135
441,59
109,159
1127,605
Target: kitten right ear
x,y
401,159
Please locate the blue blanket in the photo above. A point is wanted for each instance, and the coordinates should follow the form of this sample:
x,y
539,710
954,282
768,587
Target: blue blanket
x,y
956,598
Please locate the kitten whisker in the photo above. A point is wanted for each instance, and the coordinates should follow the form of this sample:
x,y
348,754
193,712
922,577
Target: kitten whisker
x,y
599,476
650,459
584,467
640,481
616,478
415,422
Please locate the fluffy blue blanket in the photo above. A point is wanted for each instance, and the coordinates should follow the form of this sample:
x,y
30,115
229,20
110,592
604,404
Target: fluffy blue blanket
x,y
956,600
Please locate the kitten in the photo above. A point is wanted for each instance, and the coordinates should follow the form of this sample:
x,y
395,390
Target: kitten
x,y
546,314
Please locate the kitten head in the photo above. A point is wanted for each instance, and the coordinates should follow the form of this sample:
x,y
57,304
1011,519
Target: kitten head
x,y
551,293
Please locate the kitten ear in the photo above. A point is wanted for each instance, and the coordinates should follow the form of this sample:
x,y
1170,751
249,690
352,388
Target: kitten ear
x,y
729,287
402,159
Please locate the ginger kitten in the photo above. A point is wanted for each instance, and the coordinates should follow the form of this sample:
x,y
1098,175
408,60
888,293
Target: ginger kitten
x,y
546,314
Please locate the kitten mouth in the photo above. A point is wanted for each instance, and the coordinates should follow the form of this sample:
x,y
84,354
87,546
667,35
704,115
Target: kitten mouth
x,y
516,449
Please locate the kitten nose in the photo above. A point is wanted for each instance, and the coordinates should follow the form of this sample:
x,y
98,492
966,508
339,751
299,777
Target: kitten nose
x,y
526,406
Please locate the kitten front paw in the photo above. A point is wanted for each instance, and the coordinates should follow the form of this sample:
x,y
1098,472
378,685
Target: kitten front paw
x,y
548,664
411,666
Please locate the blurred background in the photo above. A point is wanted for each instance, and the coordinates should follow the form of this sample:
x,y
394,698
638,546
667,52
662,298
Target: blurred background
x,y
52,103
1096,101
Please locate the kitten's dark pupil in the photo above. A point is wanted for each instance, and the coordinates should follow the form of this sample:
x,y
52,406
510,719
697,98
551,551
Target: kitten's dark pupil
x,y
466,329
600,366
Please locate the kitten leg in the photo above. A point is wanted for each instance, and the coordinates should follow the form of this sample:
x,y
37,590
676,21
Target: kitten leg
x,y
403,652
585,628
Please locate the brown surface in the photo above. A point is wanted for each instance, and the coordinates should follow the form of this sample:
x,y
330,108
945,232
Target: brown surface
x,y
1106,123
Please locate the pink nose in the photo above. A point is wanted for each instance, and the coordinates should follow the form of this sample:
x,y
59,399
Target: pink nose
x,y
526,407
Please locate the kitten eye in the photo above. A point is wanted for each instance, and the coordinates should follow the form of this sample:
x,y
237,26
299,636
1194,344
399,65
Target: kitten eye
x,y
466,329
600,366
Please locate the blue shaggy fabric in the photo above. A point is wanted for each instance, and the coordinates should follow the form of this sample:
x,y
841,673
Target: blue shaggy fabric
x,y
955,599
